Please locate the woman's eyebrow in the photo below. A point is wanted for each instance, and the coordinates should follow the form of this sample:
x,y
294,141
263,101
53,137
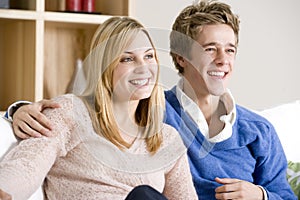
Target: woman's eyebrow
x,y
131,52
150,49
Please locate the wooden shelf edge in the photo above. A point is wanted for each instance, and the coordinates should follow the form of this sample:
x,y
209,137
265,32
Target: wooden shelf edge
x,y
18,14
53,16
75,17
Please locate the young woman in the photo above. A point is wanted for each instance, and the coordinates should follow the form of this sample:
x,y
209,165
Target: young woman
x,y
110,139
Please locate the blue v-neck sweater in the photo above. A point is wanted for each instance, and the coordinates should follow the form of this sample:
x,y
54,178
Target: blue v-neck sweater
x,y
253,153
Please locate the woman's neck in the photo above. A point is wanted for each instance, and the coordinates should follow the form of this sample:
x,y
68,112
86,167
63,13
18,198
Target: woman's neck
x,y
124,113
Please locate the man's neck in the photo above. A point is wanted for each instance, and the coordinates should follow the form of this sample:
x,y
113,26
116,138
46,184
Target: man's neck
x,y
211,106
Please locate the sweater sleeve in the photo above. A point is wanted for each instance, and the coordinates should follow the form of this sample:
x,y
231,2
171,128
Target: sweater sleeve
x,y
179,184
270,172
178,179
24,168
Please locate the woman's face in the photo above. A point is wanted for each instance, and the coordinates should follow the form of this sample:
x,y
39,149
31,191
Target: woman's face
x,y
136,73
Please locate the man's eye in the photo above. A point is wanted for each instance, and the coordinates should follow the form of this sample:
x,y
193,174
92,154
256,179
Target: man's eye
x,y
210,49
231,50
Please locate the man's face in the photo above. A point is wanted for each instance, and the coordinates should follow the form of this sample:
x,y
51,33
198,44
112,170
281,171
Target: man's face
x,y
212,60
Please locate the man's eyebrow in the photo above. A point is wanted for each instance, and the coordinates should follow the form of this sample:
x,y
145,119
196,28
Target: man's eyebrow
x,y
216,44
209,44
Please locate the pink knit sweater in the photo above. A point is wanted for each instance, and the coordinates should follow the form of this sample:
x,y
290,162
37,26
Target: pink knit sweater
x,y
79,164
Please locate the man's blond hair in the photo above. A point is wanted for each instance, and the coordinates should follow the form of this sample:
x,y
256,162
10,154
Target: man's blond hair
x,y
188,24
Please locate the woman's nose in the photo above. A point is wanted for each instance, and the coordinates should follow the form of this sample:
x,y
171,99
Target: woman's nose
x,y
141,69
141,66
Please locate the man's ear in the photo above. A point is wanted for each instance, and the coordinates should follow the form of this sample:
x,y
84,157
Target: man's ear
x,y
181,61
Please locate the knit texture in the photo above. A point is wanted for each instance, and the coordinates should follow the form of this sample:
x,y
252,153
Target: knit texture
x,y
70,165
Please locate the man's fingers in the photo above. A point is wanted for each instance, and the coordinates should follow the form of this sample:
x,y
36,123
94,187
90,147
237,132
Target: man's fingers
x,y
25,128
226,180
226,188
19,133
227,195
39,122
32,127
30,120
237,189
228,185
48,104
28,125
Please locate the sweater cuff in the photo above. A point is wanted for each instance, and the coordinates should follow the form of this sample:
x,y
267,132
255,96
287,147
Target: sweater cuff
x,y
265,196
13,108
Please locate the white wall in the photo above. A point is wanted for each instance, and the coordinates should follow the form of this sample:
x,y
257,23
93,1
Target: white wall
x,y
267,68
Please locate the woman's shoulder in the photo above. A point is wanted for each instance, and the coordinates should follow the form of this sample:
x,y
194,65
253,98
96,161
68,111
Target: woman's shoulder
x,y
69,102
171,136
66,100
169,130
70,105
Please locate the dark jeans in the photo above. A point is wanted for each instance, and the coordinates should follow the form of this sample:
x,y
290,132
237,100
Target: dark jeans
x,y
145,192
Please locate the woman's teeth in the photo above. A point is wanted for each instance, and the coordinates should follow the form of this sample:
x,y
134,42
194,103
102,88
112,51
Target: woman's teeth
x,y
139,82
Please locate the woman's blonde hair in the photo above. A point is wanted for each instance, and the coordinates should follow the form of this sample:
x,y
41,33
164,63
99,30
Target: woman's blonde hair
x,y
108,43
187,25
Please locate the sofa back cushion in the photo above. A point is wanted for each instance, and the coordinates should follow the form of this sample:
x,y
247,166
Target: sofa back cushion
x,y
286,120
8,139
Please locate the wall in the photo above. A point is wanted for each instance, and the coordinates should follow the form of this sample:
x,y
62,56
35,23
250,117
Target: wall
x,y
267,66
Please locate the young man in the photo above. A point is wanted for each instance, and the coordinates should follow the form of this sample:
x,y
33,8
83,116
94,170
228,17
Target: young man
x,y
233,153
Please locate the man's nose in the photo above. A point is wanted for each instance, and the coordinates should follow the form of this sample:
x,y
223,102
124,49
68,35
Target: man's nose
x,y
221,57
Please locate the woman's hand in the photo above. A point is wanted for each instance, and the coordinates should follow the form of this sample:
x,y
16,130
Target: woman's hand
x,y
29,121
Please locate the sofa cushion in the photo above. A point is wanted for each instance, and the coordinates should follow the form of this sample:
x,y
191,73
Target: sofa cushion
x,y
286,121
8,139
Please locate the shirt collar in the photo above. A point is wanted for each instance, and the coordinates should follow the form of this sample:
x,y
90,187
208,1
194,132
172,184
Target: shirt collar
x,y
192,109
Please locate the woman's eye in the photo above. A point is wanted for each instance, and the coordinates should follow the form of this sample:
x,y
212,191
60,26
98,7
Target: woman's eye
x,y
149,56
127,59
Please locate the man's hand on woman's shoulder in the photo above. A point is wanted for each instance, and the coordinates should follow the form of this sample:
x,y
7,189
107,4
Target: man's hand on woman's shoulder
x,y
29,121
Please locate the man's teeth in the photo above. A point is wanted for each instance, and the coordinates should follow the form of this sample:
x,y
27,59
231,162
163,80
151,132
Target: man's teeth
x,y
216,73
139,82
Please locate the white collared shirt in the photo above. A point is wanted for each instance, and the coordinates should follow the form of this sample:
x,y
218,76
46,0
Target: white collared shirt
x,y
192,109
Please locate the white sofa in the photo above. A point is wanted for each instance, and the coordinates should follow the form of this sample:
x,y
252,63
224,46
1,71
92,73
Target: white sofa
x,y
285,118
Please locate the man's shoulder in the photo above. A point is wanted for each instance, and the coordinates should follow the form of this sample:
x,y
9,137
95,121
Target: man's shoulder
x,y
250,121
244,113
172,102
170,94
